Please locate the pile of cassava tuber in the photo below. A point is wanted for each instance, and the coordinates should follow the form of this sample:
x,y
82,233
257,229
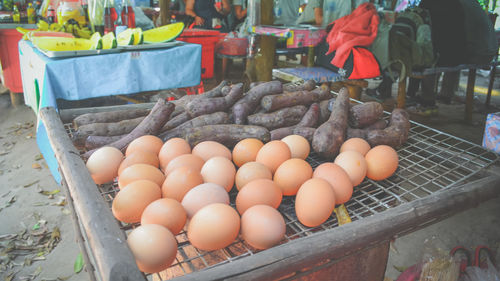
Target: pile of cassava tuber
x,y
267,111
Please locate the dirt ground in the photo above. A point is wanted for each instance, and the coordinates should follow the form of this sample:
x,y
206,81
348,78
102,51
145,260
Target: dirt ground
x,y
34,214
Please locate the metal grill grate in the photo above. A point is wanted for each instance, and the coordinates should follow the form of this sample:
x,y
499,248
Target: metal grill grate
x,y
430,161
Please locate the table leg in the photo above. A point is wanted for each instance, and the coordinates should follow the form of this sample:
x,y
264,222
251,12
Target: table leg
x,y
401,99
469,95
490,85
15,99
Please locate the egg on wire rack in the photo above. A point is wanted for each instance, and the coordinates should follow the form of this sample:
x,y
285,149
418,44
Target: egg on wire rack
x,y
246,151
208,149
251,171
154,247
171,149
145,143
104,163
273,153
219,170
180,181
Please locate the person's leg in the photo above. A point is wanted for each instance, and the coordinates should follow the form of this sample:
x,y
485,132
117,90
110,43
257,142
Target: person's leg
x,y
428,97
413,86
385,88
448,86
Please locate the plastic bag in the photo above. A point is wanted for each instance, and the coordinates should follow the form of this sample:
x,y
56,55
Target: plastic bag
x,y
96,14
474,273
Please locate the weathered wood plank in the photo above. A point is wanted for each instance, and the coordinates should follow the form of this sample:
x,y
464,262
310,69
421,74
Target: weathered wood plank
x,y
114,260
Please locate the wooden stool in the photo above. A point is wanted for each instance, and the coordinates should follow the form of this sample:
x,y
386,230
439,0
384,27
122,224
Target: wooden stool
x,y
225,61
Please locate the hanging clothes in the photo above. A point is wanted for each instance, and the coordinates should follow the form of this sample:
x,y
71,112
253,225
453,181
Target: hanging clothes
x,y
356,29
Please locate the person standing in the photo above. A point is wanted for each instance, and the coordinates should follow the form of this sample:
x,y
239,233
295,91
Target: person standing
x,y
286,12
313,13
207,14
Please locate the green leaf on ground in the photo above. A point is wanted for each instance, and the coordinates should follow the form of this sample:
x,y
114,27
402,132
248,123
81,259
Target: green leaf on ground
x,y
78,263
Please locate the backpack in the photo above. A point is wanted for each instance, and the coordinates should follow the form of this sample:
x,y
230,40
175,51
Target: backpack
x,y
406,44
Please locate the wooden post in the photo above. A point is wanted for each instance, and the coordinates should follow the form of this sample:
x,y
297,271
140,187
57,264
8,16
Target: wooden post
x,y
265,58
260,68
469,95
401,99
164,12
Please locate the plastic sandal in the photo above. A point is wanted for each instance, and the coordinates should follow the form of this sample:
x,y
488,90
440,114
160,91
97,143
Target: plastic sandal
x,y
463,262
481,254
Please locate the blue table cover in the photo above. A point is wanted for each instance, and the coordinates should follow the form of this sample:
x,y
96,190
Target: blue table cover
x,y
318,74
47,79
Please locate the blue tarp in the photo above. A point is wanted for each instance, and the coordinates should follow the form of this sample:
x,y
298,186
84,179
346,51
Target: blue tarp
x,y
79,78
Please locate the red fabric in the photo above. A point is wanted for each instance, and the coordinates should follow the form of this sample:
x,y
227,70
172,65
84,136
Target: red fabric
x,y
365,65
356,29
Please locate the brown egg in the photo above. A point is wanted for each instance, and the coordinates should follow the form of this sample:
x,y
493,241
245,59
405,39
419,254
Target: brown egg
x,y
208,149
190,160
354,164
357,144
214,227
299,146
251,171
130,202
219,170
140,172
262,226
382,162
315,202
203,195
171,149
273,153
154,247
291,174
145,143
139,157
103,164
337,178
258,192
246,151
166,212
179,182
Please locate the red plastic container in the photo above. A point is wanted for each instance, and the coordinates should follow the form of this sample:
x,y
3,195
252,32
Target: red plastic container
x,y
9,56
207,39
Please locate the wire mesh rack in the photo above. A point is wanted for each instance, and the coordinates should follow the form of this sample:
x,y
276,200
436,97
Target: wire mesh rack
x,y
430,161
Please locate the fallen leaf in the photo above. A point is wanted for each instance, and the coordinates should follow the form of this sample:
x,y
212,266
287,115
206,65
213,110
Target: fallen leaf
x,y
30,184
36,166
400,268
38,157
64,278
60,202
3,152
39,204
36,226
78,266
53,192
10,276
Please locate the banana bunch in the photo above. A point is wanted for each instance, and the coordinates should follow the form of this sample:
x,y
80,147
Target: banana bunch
x,y
70,26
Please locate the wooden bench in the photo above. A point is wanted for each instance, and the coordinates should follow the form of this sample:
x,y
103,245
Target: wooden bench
x,y
322,75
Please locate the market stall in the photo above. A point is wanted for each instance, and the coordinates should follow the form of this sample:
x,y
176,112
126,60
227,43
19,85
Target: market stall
x,y
438,175
48,79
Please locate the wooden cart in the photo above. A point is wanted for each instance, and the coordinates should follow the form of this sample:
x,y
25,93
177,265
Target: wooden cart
x,y
439,175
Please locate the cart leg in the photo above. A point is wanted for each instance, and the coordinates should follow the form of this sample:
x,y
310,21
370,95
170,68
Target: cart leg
x,y
367,264
401,99
469,95
490,85
15,99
